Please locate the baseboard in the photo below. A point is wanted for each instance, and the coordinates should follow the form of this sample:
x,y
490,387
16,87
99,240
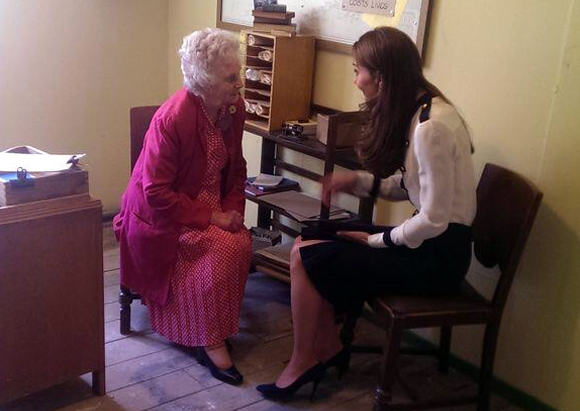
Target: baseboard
x,y
499,387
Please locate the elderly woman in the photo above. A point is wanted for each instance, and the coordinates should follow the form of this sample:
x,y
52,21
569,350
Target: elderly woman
x,y
183,243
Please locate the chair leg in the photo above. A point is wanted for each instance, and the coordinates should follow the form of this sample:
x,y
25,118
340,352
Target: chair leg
x,y
125,299
444,349
486,372
384,392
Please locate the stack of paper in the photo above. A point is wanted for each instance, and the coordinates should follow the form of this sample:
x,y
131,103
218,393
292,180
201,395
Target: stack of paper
x,y
34,160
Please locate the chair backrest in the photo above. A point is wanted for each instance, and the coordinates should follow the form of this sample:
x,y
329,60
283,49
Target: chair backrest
x,y
507,205
140,118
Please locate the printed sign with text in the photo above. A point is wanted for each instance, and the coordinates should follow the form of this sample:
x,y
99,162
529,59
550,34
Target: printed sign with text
x,y
386,7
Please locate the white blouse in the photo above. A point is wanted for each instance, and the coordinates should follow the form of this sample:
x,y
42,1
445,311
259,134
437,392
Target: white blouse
x,y
439,178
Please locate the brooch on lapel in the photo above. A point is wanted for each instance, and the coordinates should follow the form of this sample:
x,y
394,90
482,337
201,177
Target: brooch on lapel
x,y
227,118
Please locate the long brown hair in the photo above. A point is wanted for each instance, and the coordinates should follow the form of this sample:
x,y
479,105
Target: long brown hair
x,y
391,57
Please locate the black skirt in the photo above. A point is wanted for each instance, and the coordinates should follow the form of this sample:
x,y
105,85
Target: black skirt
x,y
347,273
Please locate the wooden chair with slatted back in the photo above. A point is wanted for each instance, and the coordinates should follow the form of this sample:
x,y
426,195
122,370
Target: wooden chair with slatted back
x,y
140,118
507,205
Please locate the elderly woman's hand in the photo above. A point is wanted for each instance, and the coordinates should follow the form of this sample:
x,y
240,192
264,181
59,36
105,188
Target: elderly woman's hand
x,y
229,221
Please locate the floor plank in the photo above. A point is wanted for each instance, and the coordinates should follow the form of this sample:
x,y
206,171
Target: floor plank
x,y
156,391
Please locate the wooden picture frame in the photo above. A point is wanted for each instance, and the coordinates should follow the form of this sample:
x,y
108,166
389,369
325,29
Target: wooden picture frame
x,y
343,47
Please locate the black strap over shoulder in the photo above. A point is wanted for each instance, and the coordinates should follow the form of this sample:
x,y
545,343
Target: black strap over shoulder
x,y
424,103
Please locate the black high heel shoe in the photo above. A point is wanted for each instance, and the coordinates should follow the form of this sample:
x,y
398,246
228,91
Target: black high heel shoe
x,y
314,375
340,360
230,376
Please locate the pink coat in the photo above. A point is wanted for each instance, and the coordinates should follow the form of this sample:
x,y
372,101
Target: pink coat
x,y
161,195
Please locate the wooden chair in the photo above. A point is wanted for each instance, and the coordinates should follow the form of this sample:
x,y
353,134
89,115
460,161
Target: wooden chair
x,y
140,118
507,205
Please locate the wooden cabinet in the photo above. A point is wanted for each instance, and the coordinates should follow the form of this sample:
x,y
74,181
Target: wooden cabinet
x,y
277,78
51,295
272,162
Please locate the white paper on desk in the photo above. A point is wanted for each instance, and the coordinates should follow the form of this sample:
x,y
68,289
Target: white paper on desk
x,y
10,162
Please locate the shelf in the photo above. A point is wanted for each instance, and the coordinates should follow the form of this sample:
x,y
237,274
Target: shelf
x,y
260,201
274,261
257,117
264,93
345,157
258,62
265,103
263,116
258,85
261,47
262,39
260,68
256,124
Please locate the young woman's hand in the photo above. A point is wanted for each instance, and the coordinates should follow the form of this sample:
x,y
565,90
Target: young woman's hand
x,y
342,181
356,236
231,221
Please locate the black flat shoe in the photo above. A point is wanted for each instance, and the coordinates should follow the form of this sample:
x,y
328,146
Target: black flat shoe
x,y
340,360
230,376
273,392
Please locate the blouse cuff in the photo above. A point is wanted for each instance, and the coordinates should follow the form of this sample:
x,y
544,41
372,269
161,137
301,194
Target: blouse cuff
x,y
381,240
376,241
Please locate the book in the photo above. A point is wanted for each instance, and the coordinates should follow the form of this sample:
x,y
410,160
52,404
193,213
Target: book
x,y
266,180
284,184
257,191
270,28
269,5
273,15
271,21
300,206
277,8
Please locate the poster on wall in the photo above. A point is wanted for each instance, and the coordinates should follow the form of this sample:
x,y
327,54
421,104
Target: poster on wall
x,y
337,24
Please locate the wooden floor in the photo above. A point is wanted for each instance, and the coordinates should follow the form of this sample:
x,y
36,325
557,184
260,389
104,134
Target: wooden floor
x,y
147,372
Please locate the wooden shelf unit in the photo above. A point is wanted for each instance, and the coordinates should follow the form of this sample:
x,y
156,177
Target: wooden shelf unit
x,y
291,69
271,163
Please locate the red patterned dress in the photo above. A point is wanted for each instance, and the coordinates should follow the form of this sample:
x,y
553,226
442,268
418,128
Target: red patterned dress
x,y
210,275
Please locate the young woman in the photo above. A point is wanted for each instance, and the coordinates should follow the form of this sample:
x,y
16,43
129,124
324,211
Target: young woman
x,y
415,147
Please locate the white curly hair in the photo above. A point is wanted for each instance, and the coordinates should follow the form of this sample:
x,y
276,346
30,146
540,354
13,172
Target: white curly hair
x,y
202,52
